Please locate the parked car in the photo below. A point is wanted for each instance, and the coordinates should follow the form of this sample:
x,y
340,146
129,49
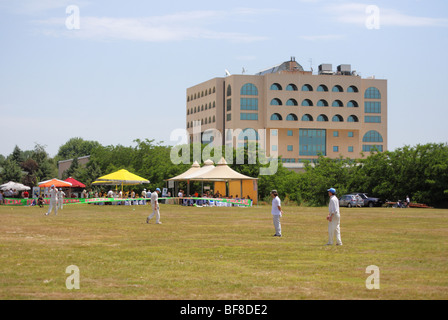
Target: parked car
x,y
349,200
369,201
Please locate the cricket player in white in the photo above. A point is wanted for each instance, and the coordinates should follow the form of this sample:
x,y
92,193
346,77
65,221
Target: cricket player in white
x,y
276,212
61,195
53,201
333,218
155,207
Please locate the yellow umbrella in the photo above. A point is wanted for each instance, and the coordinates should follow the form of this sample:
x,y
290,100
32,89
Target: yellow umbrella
x,y
123,177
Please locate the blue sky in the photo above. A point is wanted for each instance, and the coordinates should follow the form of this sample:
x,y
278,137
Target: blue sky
x,y
123,74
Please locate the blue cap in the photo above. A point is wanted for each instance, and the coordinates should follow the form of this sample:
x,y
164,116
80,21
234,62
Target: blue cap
x,y
332,190
158,189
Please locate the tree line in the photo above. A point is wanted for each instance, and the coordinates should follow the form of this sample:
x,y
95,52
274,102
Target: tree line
x,y
421,172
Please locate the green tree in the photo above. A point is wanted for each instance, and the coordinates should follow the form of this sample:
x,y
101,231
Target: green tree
x,y
76,148
11,171
71,171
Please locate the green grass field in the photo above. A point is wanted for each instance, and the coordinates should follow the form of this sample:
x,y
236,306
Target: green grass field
x,y
221,253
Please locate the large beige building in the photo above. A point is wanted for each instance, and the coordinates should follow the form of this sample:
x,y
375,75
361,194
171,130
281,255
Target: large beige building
x,y
334,112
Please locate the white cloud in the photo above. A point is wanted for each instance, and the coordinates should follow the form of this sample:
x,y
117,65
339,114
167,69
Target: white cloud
x,y
323,37
173,27
355,13
38,7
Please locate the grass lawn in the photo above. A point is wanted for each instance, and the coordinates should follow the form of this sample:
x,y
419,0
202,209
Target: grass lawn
x,y
221,253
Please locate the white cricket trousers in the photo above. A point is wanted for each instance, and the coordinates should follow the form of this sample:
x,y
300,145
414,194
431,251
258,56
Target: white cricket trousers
x,y
155,212
277,224
60,204
53,204
334,229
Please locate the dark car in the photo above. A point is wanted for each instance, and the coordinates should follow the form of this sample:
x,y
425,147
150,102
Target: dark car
x,y
369,201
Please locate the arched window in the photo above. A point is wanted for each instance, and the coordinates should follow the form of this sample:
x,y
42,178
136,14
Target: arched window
x,y
337,118
191,124
194,109
322,88
292,102
307,117
352,118
248,134
214,105
372,93
229,90
202,94
214,119
322,117
276,116
195,95
202,108
276,102
188,125
205,120
249,90
337,88
188,98
291,87
372,136
307,103
209,119
352,104
322,103
291,117
210,91
307,87
337,103
205,106
214,89
276,86
188,112
352,89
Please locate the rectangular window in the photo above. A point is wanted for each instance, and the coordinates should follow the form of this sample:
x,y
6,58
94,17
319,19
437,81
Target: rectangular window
x,y
350,134
229,104
372,119
290,134
289,148
274,148
335,133
312,142
274,132
368,148
350,149
229,116
372,107
248,116
249,104
335,149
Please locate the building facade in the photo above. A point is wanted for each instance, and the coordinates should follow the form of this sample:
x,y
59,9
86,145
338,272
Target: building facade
x,y
292,112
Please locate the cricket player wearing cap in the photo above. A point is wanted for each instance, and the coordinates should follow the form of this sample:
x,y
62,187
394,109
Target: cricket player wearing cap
x,y
155,207
53,200
333,218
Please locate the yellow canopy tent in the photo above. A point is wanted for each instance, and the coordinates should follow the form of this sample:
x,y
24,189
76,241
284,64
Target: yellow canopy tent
x,y
121,177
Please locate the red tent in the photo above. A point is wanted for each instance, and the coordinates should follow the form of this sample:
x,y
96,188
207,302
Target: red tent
x,y
75,183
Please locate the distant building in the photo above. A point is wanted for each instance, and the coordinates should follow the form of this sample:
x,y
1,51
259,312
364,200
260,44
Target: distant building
x,y
333,113
64,165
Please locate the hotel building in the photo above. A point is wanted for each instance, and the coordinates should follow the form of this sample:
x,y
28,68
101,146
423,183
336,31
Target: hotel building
x,y
331,112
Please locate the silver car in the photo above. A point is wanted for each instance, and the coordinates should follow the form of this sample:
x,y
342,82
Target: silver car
x,y
350,200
